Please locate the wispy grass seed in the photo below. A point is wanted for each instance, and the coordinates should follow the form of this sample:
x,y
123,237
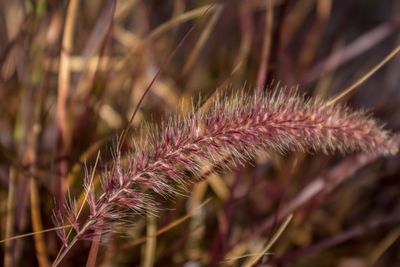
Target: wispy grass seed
x,y
237,128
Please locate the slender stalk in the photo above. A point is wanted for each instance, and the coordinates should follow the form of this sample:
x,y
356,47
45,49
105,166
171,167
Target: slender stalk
x,y
70,245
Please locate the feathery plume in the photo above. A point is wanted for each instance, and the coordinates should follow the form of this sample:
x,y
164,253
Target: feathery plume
x,y
236,128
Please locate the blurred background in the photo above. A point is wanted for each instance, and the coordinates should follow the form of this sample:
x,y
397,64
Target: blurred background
x,y
72,73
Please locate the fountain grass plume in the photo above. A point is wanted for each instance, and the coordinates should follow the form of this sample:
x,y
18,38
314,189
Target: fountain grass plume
x,y
171,155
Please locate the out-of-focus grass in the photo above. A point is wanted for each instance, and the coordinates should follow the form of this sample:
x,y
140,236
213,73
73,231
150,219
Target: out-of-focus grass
x,y
70,80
